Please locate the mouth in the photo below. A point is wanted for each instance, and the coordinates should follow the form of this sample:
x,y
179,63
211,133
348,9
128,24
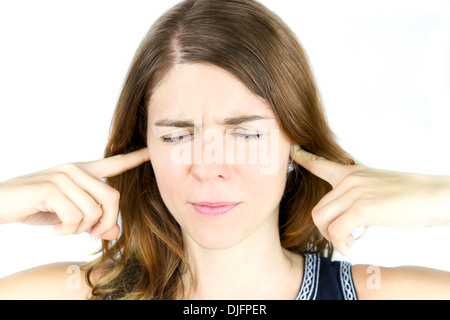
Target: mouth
x,y
213,209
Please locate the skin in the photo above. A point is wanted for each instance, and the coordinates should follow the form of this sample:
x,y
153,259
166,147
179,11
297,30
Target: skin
x,y
208,94
237,255
365,197
248,234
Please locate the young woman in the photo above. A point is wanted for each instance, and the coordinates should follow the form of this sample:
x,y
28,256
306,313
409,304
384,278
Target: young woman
x,y
228,180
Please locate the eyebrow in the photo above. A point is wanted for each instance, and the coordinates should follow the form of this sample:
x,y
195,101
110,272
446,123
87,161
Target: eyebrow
x,y
227,121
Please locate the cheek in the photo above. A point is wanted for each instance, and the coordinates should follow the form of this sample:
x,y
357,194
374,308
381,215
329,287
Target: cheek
x,y
169,176
268,181
264,190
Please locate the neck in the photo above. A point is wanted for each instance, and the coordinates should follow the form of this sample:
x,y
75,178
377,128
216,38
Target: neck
x,y
256,268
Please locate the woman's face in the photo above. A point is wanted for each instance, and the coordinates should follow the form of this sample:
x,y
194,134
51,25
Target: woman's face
x,y
219,157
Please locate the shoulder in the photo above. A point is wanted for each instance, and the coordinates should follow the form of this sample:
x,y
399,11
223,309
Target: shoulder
x,y
53,281
373,282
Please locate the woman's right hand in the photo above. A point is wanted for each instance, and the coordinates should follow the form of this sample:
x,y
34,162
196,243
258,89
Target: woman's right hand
x,y
71,196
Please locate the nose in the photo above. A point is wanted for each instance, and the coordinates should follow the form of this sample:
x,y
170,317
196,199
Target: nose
x,y
211,172
209,157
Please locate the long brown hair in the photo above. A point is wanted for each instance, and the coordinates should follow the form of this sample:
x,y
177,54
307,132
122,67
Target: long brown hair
x,y
252,43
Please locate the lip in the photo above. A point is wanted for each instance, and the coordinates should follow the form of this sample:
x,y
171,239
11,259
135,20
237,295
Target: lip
x,y
214,209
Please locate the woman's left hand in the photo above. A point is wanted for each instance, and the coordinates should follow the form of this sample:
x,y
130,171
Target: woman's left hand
x,y
364,197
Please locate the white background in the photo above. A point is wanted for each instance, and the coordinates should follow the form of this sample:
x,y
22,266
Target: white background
x,y
383,68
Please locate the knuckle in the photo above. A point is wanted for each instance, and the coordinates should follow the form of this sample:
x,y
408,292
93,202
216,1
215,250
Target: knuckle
x,y
319,215
352,180
67,167
94,212
47,189
333,231
315,214
106,224
74,218
58,177
109,225
114,195
360,205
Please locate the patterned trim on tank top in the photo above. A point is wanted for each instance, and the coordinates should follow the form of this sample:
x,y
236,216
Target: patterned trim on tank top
x,y
348,288
310,278
310,283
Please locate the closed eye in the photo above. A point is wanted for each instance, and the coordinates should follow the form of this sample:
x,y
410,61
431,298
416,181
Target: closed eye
x,y
239,133
247,136
176,137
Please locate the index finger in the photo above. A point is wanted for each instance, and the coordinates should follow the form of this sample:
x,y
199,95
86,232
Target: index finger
x,y
321,167
115,165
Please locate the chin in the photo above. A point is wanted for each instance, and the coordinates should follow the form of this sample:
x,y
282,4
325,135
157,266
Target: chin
x,y
217,239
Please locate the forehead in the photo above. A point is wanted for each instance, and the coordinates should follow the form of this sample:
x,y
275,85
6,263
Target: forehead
x,y
203,91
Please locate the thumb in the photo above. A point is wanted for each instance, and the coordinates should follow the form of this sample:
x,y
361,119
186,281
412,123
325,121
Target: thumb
x,y
111,234
328,170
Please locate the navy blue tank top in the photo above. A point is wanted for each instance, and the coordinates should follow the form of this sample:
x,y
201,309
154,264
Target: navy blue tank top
x,y
324,279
